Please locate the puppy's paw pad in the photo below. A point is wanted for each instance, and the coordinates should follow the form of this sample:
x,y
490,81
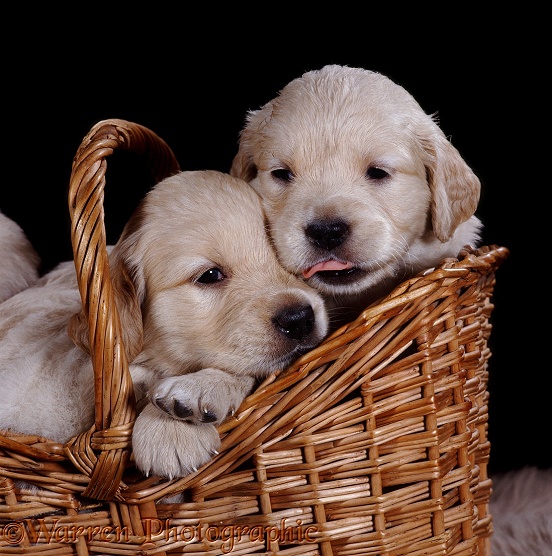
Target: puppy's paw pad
x,y
173,407
181,410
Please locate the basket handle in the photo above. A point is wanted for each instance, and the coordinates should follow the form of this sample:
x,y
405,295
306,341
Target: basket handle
x,y
103,452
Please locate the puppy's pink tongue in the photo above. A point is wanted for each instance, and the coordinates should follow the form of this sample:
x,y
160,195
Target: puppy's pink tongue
x,y
326,265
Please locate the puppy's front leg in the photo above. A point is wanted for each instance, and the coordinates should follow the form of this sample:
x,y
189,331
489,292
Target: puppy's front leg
x,y
170,448
176,432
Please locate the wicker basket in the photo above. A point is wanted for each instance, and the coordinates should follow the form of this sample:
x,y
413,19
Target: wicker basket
x,y
373,443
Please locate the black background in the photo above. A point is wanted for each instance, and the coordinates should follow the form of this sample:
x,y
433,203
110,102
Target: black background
x,y
192,84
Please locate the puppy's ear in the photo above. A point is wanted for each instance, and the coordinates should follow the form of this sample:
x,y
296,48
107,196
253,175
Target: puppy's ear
x,y
455,189
129,291
243,166
78,331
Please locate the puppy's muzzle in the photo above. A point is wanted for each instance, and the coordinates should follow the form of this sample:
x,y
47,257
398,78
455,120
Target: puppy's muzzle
x,y
327,234
331,267
295,322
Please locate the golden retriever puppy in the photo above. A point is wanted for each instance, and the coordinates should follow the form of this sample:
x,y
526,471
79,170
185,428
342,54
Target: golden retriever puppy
x,y
361,188
205,308
19,261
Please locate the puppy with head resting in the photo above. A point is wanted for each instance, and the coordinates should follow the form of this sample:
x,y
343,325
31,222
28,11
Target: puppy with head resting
x,y
361,187
205,308
19,260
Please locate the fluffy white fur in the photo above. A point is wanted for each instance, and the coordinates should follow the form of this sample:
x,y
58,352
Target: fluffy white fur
x,y
205,307
20,262
361,187
521,508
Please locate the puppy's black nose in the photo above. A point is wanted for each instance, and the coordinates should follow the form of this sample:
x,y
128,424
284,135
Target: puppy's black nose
x,y
327,234
295,322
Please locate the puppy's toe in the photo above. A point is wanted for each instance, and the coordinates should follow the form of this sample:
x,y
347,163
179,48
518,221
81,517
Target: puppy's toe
x,y
173,407
182,409
167,447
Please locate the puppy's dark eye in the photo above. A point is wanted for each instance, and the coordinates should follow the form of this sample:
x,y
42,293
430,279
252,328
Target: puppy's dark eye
x,y
211,276
375,173
283,175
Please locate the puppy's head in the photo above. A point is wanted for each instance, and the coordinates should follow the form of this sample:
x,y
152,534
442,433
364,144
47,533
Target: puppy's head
x,y
360,185
198,284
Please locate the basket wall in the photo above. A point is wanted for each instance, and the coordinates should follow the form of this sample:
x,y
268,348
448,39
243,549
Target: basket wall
x,y
375,443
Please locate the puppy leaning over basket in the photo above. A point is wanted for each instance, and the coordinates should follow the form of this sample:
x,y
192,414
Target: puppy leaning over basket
x,y
361,187
375,442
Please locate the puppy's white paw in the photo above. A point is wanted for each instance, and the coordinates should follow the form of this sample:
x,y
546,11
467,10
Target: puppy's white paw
x,y
171,448
206,396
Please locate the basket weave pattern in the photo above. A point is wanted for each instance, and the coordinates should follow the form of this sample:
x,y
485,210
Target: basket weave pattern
x,y
374,443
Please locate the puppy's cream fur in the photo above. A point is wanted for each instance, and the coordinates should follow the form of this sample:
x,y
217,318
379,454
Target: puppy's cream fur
x,y
205,307
362,189
19,260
